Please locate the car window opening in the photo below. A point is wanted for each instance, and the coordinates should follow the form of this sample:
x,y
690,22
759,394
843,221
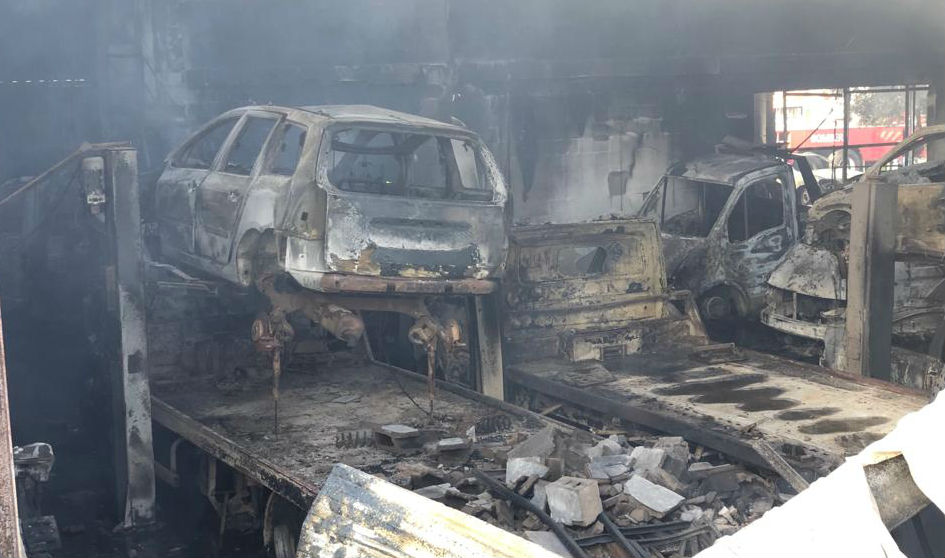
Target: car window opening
x,y
408,165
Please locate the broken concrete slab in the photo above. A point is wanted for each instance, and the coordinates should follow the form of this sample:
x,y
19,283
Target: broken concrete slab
x,y
519,467
540,444
574,501
451,444
654,497
399,431
701,469
608,467
646,459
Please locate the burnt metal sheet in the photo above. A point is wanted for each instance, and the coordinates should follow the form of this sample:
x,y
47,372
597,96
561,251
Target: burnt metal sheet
x,y
357,514
795,407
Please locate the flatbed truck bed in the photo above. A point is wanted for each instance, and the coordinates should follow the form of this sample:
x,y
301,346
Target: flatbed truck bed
x,y
315,407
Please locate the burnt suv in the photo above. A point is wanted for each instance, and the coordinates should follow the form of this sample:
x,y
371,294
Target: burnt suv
x,y
342,198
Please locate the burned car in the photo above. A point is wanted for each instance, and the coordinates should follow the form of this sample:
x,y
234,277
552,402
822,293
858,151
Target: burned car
x,y
808,289
342,198
726,220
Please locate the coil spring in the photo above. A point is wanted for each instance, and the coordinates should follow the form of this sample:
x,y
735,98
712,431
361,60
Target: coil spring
x,y
354,439
495,423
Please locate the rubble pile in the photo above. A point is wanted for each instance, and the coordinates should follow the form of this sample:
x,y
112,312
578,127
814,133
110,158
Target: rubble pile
x,y
654,496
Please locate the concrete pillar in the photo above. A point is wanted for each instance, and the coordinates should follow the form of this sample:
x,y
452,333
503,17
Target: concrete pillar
x,y
870,278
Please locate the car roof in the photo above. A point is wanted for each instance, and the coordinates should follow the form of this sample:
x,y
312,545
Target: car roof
x,y
726,168
320,114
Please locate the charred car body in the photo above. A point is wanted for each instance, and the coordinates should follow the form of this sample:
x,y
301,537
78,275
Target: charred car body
x,y
726,220
365,209
808,289
331,192
591,291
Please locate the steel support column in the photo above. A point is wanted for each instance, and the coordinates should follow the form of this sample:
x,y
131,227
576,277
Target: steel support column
x,y
124,276
870,278
10,543
491,376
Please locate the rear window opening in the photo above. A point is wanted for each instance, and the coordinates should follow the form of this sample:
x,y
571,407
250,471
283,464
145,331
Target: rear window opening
x,y
411,165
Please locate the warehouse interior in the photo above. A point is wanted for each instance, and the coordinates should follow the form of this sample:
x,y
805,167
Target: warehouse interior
x,y
439,278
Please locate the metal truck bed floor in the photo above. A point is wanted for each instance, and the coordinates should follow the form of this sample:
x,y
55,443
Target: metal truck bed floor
x,y
236,426
806,413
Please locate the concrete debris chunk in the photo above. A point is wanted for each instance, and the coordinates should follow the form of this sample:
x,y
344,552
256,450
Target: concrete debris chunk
x,y
399,431
574,501
540,444
549,541
665,479
646,459
608,467
677,454
434,492
702,469
451,444
606,447
654,497
540,494
691,513
519,467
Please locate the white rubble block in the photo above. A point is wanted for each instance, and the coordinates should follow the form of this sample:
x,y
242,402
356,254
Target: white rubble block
x,y
540,494
646,459
607,446
518,467
574,501
652,496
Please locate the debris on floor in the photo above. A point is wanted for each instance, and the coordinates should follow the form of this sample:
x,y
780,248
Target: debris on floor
x,y
561,490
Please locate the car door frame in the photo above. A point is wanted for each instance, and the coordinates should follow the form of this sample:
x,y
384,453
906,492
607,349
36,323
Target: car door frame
x,y
187,180
214,243
746,264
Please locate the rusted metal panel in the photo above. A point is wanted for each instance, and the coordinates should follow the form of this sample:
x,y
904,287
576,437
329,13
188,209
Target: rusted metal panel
x,y
10,542
357,514
563,279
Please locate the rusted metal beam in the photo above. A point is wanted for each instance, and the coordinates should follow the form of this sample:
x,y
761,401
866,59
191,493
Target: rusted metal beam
x,y
896,495
124,274
491,376
10,543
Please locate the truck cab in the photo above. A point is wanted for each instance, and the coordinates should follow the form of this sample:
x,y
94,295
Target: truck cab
x,y
725,220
